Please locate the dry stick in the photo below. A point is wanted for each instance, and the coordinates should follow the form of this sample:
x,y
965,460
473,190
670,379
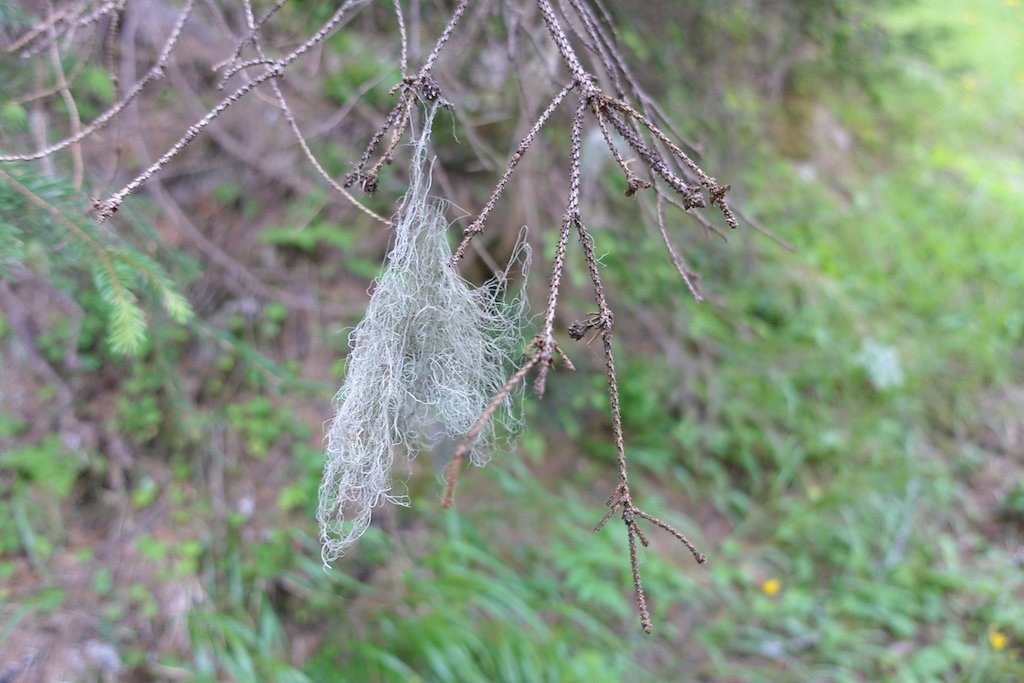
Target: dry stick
x,y
387,156
404,60
241,66
690,195
106,208
677,260
615,64
460,9
565,49
293,124
607,17
572,212
618,63
290,117
614,61
597,45
234,147
633,181
634,564
369,181
631,112
156,71
621,497
241,279
697,555
462,450
477,226
100,12
109,48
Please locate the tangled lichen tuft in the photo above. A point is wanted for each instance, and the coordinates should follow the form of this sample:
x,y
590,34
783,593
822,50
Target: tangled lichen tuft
x,y
426,359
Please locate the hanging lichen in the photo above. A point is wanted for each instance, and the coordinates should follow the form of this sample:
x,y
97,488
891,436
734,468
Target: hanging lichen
x,y
430,353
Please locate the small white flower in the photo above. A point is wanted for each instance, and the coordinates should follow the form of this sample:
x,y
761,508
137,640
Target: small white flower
x,y
882,364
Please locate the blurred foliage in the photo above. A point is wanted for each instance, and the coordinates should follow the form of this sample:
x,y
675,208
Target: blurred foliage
x,y
43,231
837,422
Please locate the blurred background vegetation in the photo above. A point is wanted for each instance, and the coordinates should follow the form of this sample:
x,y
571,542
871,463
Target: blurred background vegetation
x,y
839,427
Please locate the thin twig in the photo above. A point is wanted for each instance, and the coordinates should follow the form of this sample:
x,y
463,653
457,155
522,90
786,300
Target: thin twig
x,y
460,9
476,227
633,181
466,445
293,124
677,260
571,216
254,27
634,565
106,208
697,555
404,59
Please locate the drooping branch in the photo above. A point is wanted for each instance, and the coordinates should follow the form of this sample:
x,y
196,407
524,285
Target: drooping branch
x,y
625,120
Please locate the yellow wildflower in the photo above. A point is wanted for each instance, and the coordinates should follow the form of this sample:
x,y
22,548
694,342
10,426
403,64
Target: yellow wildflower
x,y
997,639
771,587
